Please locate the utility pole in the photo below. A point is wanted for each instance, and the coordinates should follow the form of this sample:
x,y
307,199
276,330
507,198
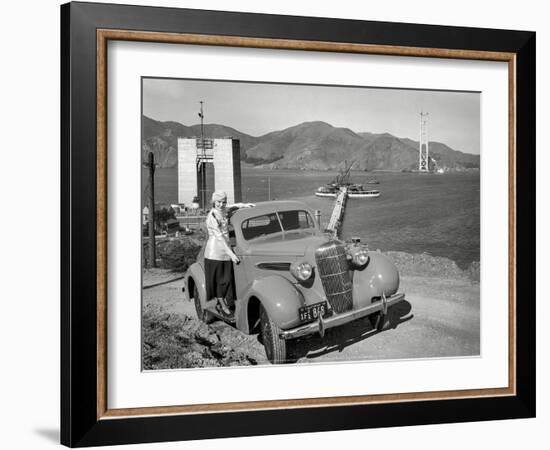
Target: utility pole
x,y
203,163
152,248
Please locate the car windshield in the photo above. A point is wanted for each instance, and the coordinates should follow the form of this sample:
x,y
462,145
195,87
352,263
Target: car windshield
x,y
270,224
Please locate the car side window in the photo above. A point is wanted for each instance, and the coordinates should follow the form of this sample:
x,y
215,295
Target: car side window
x,y
296,220
305,220
260,226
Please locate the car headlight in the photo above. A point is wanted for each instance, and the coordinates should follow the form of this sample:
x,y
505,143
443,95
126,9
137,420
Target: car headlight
x,y
360,257
301,271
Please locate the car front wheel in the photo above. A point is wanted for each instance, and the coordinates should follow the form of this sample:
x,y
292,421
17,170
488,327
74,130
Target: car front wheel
x,y
275,347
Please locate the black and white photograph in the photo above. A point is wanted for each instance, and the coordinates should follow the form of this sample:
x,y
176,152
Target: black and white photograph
x,y
296,224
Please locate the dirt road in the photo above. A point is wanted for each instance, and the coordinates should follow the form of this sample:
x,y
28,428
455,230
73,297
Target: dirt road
x,y
439,318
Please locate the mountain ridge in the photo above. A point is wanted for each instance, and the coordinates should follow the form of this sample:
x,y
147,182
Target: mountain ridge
x,y
310,145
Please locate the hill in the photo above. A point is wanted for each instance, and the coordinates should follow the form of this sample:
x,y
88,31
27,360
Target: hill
x,y
319,145
162,138
311,145
446,156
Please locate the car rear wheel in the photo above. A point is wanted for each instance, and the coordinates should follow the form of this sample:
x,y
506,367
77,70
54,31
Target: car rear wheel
x,y
205,316
275,347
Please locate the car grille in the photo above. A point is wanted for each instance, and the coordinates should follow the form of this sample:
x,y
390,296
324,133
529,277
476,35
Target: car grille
x,y
332,266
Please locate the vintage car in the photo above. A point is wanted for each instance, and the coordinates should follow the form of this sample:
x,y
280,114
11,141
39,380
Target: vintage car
x,y
293,280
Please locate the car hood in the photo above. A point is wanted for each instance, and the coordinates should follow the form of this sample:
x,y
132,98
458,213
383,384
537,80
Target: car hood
x,y
291,244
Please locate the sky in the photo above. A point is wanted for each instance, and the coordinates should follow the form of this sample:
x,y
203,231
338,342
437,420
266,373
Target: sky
x,y
260,108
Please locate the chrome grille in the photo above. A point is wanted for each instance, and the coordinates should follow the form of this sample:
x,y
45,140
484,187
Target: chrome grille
x,y
333,270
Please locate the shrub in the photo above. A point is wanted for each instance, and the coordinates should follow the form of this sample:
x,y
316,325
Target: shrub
x,y
178,255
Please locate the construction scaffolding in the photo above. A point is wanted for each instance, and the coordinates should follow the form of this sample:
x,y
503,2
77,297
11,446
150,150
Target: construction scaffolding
x,y
338,210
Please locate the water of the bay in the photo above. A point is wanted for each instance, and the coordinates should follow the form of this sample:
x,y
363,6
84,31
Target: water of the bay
x,y
415,213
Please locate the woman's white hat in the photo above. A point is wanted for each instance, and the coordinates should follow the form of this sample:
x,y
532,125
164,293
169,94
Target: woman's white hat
x,y
219,196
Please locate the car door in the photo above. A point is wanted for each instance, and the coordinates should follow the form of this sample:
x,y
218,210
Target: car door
x,y
238,269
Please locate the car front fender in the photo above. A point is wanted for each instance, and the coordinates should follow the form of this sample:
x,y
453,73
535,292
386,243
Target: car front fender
x,y
280,299
379,276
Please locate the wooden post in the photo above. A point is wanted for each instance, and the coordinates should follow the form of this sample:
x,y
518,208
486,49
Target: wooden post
x,y
318,217
152,246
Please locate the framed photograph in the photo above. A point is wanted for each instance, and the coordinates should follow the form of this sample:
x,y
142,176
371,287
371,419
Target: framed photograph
x,y
277,224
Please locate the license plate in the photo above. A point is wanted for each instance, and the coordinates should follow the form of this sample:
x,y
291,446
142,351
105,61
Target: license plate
x,y
312,312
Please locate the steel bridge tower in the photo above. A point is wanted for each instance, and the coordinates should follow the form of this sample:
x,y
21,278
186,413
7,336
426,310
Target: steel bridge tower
x,y
424,145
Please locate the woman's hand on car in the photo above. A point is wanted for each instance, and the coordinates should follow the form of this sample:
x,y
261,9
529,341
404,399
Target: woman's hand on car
x,y
235,259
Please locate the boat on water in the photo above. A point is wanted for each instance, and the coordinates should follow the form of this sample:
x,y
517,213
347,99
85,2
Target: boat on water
x,y
325,191
342,180
355,191
363,193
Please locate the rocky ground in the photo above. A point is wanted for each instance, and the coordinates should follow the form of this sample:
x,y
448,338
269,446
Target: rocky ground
x,y
440,318
172,340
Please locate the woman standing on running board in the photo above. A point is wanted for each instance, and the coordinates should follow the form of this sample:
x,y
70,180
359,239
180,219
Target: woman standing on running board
x,y
219,257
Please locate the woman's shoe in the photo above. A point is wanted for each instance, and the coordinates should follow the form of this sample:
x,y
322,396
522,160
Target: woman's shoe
x,y
230,307
222,308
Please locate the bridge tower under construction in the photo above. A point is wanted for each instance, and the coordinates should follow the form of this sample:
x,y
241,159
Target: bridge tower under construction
x,y
206,165
424,145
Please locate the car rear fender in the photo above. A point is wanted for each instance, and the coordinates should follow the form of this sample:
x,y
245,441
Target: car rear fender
x,y
278,296
196,273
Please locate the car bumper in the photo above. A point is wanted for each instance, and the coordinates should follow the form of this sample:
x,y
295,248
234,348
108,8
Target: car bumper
x,y
340,319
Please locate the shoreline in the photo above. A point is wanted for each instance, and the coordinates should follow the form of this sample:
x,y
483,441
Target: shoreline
x,y
424,264
408,264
